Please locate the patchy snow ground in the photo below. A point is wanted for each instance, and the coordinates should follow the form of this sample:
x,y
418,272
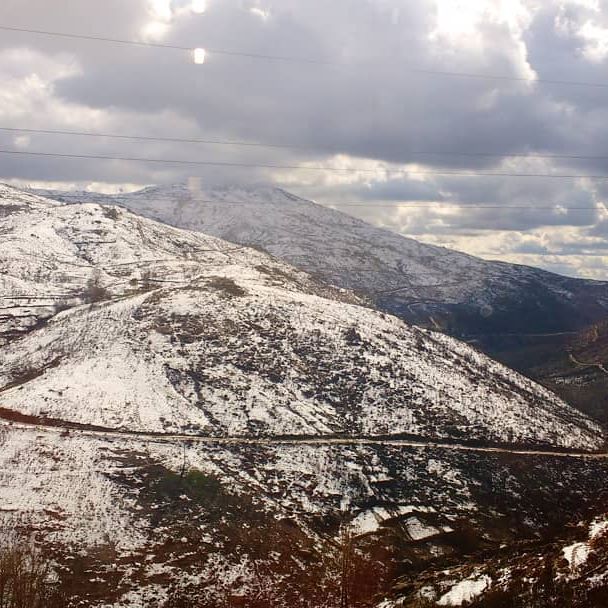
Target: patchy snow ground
x,y
197,336
578,569
576,554
90,495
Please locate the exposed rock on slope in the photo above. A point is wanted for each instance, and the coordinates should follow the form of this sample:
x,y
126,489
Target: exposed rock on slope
x,y
571,572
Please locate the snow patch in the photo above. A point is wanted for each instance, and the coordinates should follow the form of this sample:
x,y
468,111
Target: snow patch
x,y
465,591
576,554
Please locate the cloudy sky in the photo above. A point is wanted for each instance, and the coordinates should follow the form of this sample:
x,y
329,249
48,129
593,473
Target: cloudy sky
x,y
375,87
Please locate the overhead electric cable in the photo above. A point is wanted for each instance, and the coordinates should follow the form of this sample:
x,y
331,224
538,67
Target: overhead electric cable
x,y
224,142
160,45
242,165
302,60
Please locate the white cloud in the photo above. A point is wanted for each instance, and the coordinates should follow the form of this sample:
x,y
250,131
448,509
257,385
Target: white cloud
x,y
198,6
263,14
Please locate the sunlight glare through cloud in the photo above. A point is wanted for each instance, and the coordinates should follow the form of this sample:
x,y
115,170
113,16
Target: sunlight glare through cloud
x,y
263,14
199,56
161,9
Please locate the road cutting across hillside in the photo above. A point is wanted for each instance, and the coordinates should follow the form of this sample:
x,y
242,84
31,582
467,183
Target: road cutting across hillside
x,y
66,428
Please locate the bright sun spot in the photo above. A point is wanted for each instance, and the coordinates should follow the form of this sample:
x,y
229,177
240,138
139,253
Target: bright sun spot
x,y
198,6
199,56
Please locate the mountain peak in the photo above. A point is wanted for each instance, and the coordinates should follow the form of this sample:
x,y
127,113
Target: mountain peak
x,y
432,286
196,191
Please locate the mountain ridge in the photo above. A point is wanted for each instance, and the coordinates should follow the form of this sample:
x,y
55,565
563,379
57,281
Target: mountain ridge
x,y
421,283
236,342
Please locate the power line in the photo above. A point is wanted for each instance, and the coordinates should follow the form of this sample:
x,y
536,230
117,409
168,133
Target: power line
x,y
159,45
301,60
125,199
217,142
240,165
221,142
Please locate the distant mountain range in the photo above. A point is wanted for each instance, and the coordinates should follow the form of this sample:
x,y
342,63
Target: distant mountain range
x,y
236,343
464,295
189,422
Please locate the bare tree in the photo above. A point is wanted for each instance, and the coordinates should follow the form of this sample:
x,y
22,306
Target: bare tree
x,y
26,580
147,280
94,290
346,551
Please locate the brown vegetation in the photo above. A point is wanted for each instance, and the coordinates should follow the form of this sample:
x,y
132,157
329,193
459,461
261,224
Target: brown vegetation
x,y
26,580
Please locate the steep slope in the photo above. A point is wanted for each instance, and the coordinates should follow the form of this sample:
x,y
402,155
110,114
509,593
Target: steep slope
x,y
570,572
152,523
592,344
228,342
466,296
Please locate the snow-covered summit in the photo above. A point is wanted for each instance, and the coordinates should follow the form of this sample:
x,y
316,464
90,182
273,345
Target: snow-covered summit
x,y
13,200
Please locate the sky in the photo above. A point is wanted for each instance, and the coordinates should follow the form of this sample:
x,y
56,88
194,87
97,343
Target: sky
x,y
390,91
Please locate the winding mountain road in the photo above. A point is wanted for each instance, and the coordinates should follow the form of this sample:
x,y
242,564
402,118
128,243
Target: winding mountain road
x,y
578,363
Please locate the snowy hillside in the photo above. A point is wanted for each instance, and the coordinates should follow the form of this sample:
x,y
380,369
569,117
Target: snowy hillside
x,y
190,335
146,372
418,282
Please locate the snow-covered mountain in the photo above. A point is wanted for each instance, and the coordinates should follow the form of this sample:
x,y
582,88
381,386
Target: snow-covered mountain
x,y
465,295
190,334
186,422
